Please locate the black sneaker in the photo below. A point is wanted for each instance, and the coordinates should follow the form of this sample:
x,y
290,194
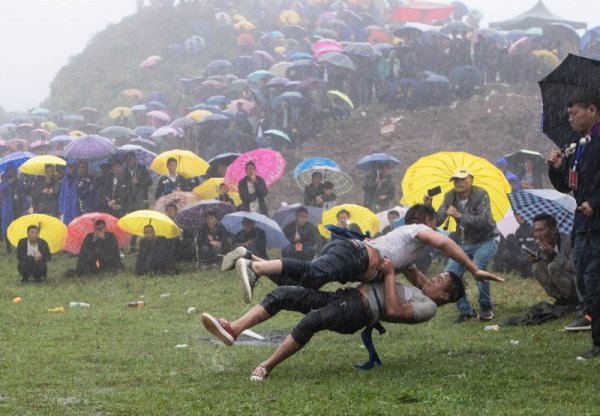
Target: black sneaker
x,y
486,314
465,317
581,324
248,278
593,353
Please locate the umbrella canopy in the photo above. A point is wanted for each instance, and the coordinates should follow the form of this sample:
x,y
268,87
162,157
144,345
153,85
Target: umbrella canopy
x,y
189,165
361,216
142,155
338,59
508,225
573,74
159,115
517,159
314,162
84,224
286,214
118,112
291,97
223,159
335,94
134,93
52,230
342,182
113,132
180,199
530,202
270,166
259,75
62,139
372,160
209,189
247,105
14,160
423,12
280,69
165,131
37,164
181,123
198,115
278,133
435,170
193,217
91,147
135,222
456,26
274,233
383,216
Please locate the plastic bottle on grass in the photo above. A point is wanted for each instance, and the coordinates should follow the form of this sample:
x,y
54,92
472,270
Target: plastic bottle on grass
x,y
79,305
58,309
138,304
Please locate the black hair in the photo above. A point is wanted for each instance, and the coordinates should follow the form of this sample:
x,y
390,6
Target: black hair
x,y
171,159
211,214
418,213
328,185
32,226
393,212
548,219
316,173
99,222
251,163
171,205
457,290
148,226
342,211
584,98
300,210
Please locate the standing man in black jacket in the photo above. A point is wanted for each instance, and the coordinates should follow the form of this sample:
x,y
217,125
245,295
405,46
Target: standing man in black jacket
x,y
117,192
33,254
253,191
579,172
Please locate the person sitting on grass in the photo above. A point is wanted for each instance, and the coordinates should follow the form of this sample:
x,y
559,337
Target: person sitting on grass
x,y
213,240
156,254
99,252
345,311
251,238
33,254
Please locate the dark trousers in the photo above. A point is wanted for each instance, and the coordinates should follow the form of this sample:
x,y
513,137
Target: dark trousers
x,y
341,311
340,261
586,254
208,254
306,254
31,268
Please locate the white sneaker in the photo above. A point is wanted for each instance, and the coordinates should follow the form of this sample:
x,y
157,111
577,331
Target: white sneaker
x,y
248,278
230,258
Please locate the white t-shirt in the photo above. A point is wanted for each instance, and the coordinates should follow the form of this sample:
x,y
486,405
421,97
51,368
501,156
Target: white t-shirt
x,y
400,245
424,308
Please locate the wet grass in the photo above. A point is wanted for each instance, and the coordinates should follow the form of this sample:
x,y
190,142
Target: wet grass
x,y
111,359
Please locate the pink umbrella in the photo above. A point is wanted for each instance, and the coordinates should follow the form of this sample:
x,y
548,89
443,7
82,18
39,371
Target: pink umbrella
x,y
84,224
327,43
269,166
39,143
41,133
180,199
159,115
522,46
247,105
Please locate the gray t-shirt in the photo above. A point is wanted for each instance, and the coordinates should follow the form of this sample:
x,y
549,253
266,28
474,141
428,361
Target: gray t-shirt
x,y
400,245
424,308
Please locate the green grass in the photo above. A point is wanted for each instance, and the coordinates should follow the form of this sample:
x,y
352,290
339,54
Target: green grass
x,y
114,360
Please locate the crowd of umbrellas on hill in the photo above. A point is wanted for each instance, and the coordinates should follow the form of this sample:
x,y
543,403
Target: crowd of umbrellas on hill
x,y
298,66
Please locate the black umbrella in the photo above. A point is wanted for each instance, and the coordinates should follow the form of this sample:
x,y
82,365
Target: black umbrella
x,y
574,74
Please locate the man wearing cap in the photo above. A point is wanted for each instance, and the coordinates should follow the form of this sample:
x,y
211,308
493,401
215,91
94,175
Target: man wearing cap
x,y
475,233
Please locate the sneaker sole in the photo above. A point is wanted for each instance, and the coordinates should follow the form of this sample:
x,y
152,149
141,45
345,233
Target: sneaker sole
x,y
242,271
230,258
212,325
578,328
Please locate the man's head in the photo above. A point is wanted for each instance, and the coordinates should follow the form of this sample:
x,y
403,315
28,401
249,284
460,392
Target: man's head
x,y
171,210
211,219
420,214
392,215
99,228
149,233
301,215
248,224
316,178
33,232
545,228
328,187
343,217
250,169
82,168
463,180
172,166
49,171
444,288
583,110
223,189
116,167
131,160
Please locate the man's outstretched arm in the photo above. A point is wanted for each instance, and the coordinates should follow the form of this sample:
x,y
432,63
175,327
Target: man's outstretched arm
x,y
395,310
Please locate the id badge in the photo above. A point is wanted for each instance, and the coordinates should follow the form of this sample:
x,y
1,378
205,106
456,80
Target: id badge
x,y
298,246
573,179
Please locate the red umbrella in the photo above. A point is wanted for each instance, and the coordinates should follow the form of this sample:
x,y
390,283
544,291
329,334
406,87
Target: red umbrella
x,y
246,39
247,105
84,224
422,12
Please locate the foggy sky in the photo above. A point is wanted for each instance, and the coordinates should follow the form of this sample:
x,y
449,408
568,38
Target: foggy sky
x,y
37,37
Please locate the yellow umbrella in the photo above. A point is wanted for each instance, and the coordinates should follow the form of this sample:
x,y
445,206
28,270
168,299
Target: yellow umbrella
x,y
435,170
335,93
209,189
119,112
52,230
548,59
77,133
290,17
366,219
134,93
135,222
37,164
239,18
244,25
198,115
189,165
49,125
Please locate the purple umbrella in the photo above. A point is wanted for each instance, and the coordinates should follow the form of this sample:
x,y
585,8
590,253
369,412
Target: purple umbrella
x,y
194,216
61,139
91,147
182,122
143,156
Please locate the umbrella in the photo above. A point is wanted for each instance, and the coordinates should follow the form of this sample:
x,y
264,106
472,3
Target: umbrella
x,y
145,143
135,222
142,155
39,143
223,159
333,94
530,202
144,131
456,26
500,39
383,216
159,115
289,17
41,133
364,49
118,112
299,56
209,189
244,26
193,217
17,144
247,105
259,75
374,159
14,160
314,162
139,107
189,165
217,100
134,93
342,182
278,82
280,69
291,97
435,170
52,230
294,32
40,111
180,199
274,233
61,139
508,225
286,214
90,148
339,60
219,118
84,224
573,74
165,131
77,134
113,132
361,216
198,115
181,123
37,165
278,133
517,159
270,166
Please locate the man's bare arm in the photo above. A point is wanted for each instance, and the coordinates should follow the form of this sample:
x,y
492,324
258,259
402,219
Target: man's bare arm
x,y
395,309
415,276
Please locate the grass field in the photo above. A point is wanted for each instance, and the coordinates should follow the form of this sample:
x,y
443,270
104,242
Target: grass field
x,y
114,360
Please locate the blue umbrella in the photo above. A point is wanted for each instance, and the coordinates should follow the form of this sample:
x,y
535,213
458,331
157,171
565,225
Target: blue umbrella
x,y
140,107
214,118
278,133
287,214
342,182
275,236
14,160
312,162
217,100
144,131
296,56
531,202
369,161
156,105
113,132
293,98
259,75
